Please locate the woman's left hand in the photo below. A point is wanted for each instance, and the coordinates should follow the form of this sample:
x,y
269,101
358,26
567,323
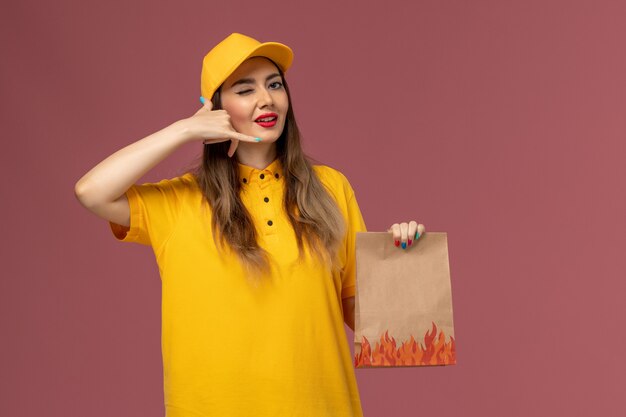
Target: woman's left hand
x,y
405,233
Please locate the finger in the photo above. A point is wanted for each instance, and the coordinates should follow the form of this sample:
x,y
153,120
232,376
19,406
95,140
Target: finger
x,y
207,104
404,228
395,230
420,231
212,141
412,230
233,147
241,136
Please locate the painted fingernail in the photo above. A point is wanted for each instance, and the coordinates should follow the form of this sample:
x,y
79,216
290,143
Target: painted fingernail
x,y
417,235
257,139
201,99
397,242
410,241
403,245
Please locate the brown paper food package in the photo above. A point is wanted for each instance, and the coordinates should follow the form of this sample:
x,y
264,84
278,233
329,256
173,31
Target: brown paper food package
x,y
403,302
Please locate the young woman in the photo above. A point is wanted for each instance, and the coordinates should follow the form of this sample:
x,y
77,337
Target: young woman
x,y
255,247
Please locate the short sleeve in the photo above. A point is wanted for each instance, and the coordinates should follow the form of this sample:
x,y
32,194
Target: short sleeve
x,y
154,211
355,223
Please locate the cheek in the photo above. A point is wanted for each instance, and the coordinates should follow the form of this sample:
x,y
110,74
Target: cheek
x,y
283,104
238,115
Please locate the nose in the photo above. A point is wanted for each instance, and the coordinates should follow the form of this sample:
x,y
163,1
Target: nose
x,y
265,98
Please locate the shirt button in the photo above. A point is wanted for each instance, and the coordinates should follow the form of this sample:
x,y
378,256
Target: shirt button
x,y
270,222
262,176
266,199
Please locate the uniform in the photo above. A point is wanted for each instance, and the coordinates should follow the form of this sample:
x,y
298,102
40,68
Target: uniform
x,y
232,349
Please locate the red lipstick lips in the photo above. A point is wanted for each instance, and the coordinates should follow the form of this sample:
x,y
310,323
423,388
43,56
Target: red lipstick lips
x,y
267,123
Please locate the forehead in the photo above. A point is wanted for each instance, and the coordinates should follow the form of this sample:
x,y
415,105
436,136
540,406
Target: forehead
x,y
255,67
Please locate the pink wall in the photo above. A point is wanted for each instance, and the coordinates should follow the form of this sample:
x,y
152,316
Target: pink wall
x,y
500,123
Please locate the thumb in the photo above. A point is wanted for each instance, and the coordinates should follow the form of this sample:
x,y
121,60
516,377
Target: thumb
x,y
207,104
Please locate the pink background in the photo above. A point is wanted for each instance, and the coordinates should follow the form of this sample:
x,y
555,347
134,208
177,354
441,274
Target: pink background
x,y
501,123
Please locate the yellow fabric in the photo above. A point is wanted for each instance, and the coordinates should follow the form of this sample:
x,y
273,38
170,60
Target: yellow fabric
x,y
233,350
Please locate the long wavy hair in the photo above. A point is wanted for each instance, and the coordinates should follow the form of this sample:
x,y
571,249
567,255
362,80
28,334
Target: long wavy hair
x,y
314,215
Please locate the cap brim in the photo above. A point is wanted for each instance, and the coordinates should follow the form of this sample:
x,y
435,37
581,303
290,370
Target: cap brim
x,y
281,54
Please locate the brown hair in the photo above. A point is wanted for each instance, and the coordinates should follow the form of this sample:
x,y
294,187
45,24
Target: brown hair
x,y
313,213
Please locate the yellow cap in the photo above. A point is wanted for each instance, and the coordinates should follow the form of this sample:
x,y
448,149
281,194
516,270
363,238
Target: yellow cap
x,y
226,56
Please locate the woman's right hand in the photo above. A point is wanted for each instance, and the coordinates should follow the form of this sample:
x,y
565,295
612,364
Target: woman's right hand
x,y
213,126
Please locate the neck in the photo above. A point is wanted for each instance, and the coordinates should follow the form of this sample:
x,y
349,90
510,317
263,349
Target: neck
x,y
257,155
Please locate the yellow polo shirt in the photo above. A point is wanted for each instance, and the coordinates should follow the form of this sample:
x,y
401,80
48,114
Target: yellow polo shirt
x,y
230,349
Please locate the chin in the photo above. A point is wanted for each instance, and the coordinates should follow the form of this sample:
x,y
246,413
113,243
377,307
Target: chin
x,y
270,139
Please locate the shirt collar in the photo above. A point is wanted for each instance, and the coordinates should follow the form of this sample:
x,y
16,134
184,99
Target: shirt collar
x,y
273,171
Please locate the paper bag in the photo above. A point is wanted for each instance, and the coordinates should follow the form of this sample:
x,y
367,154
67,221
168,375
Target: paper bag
x,y
403,302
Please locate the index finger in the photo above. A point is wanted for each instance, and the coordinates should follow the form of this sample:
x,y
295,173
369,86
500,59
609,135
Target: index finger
x,y
395,230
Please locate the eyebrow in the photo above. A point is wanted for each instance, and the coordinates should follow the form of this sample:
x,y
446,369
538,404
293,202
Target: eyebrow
x,y
251,80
